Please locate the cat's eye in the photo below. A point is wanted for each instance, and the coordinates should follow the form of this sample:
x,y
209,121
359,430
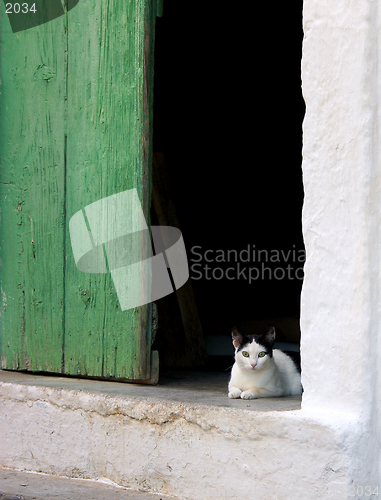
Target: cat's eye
x,y
245,353
261,354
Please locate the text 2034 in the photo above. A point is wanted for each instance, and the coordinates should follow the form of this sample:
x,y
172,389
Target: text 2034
x,y
17,8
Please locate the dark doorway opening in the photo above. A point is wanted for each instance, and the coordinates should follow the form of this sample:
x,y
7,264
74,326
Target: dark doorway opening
x,y
228,112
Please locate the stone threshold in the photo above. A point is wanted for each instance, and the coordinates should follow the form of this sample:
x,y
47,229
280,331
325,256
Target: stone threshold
x,y
183,437
201,388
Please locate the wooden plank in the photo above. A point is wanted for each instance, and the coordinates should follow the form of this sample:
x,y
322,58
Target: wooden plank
x,y
90,133
33,82
108,151
188,347
159,8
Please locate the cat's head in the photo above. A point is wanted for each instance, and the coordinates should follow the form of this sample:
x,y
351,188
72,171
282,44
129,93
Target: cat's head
x,y
252,352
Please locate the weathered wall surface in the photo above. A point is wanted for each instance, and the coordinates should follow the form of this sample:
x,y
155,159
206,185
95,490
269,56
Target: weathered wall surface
x,y
193,451
338,179
341,220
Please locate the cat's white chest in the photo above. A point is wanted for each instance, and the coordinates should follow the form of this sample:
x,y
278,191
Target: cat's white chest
x,y
246,379
278,378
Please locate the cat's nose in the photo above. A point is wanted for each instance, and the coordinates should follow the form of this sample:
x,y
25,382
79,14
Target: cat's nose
x,y
253,365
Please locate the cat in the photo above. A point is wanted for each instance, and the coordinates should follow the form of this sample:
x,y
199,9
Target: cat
x,y
259,371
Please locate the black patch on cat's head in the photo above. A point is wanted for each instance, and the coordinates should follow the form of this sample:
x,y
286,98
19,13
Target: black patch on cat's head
x,y
239,339
266,340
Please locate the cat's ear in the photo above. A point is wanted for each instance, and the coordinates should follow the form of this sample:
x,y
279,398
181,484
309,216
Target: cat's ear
x,y
237,337
270,335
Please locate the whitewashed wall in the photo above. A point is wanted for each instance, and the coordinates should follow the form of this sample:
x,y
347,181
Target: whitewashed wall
x,y
341,220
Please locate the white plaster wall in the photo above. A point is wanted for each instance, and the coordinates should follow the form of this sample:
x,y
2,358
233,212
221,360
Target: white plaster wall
x,y
337,175
341,221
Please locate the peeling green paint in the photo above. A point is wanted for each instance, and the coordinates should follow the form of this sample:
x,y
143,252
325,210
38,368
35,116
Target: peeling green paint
x,y
76,115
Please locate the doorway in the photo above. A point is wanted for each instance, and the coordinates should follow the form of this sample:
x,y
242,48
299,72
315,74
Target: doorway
x,y
228,112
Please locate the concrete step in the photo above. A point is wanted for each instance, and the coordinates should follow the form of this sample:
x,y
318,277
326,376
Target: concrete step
x,y
16,485
182,438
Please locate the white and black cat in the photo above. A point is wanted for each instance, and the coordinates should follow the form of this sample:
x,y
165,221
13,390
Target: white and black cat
x,y
259,371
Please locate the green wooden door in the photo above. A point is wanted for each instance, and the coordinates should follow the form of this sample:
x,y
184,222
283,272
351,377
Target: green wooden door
x,y
76,123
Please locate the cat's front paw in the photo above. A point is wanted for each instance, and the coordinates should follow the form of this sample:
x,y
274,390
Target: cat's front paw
x,y
249,395
234,393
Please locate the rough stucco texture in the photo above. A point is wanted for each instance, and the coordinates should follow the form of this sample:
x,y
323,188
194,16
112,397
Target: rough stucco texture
x,y
192,451
340,318
337,173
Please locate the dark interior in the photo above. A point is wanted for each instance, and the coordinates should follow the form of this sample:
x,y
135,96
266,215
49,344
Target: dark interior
x,y
228,112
